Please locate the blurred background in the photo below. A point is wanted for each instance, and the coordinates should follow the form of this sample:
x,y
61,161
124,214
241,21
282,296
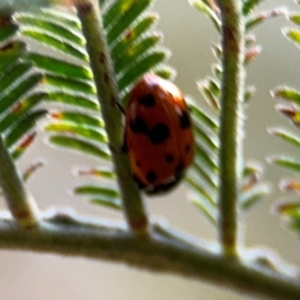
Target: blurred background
x,y
189,35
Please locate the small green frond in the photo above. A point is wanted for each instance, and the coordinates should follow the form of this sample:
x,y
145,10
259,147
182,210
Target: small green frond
x,y
138,68
209,94
96,191
61,67
101,195
79,118
294,17
73,99
209,211
208,140
46,24
290,210
291,112
253,189
12,75
132,36
252,53
290,185
76,144
98,172
53,33
249,6
206,176
293,35
257,19
20,111
288,162
61,17
201,190
286,135
74,85
254,195
19,88
107,202
8,28
23,126
249,93
77,130
209,11
287,93
294,222
31,169
202,177
165,71
11,52
205,158
144,45
208,120
125,17
22,145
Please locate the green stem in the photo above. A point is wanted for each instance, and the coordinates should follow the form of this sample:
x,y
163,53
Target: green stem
x,y
20,202
231,123
108,95
71,235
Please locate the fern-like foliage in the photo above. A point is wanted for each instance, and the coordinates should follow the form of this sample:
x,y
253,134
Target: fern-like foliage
x,y
203,176
291,110
77,125
21,92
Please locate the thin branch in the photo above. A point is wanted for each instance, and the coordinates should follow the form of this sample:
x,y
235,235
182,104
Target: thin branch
x,y
231,141
68,234
102,67
21,204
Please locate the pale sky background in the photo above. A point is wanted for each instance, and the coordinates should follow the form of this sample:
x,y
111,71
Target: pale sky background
x,y
189,35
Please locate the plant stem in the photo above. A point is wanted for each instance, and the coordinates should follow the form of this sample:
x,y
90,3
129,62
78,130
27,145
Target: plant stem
x,y
231,123
70,235
108,95
21,204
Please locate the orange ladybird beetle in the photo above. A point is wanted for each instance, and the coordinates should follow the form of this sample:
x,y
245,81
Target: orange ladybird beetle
x,y
158,134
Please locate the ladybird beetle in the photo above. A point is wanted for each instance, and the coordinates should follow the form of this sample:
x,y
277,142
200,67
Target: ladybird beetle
x,y
158,134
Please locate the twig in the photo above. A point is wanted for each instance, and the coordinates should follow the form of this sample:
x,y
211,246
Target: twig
x,y
231,141
102,67
68,234
21,204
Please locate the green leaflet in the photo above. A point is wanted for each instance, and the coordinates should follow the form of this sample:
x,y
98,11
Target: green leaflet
x,y
79,145
61,67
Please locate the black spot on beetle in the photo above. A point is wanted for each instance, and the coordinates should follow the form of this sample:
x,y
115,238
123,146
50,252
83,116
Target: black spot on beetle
x,y
138,125
184,120
179,169
169,158
159,133
148,101
140,184
187,148
138,164
151,176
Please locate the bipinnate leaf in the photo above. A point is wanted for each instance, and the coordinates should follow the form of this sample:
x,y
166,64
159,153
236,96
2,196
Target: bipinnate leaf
x,y
291,110
203,176
135,49
287,161
21,90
